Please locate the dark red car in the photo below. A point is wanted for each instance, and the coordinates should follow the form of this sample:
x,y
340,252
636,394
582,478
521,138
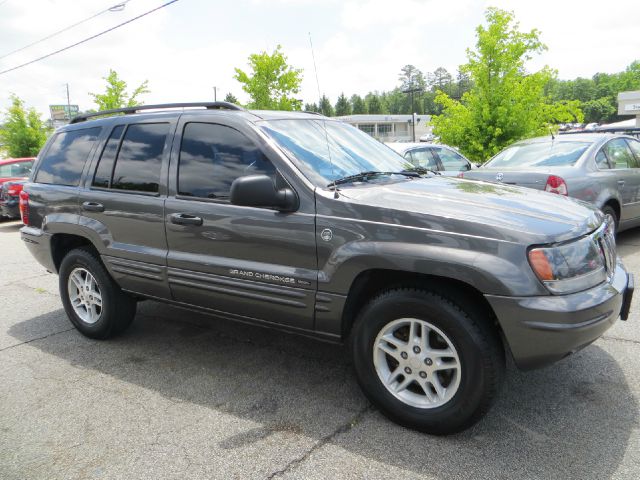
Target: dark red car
x,y
13,173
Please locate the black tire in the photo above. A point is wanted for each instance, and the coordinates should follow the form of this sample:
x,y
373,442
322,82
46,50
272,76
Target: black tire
x,y
480,351
609,210
118,309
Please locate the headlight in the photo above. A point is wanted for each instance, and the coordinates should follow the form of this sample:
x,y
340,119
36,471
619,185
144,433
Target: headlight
x,y
570,267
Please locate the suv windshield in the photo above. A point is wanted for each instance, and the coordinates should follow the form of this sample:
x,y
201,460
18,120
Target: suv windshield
x,y
308,143
542,154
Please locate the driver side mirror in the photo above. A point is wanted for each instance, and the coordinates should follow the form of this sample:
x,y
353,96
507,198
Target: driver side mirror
x,y
259,191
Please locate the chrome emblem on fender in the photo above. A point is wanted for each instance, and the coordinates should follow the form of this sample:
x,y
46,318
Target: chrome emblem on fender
x,y
326,235
499,176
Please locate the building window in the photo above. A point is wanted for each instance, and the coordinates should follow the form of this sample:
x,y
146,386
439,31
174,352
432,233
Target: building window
x,y
384,129
369,128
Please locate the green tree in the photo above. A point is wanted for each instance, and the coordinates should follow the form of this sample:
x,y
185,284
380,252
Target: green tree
x,y
411,78
506,103
374,104
599,110
358,107
271,83
325,107
116,95
231,98
311,107
23,133
343,107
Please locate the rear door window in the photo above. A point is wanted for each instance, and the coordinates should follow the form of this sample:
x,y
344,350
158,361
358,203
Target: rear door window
x,y
619,154
451,160
64,160
213,156
140,158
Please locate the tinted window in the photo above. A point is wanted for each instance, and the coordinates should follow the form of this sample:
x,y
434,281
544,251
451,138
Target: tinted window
x,y
451,160
17,169
213,156
601,161
102,178
140,158
65,158
423,158
619,154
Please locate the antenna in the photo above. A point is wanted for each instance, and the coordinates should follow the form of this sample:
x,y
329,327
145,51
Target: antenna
x,y
324,122
315,69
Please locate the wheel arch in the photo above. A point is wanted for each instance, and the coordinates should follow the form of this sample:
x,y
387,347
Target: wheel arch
x,y
63,243
615,204
371,282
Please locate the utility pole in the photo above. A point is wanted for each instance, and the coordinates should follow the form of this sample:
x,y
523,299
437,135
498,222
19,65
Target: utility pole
x,y
215,94
68,104
412,89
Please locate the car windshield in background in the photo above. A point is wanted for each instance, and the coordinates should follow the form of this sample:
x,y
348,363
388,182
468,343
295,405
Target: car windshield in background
x,y
308,143
544,154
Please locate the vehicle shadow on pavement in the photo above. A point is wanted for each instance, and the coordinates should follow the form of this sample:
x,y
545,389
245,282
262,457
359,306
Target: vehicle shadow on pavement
x,y
10,226
572,420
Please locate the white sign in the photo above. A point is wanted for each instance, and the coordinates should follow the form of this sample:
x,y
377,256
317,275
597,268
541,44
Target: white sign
x,y
632,107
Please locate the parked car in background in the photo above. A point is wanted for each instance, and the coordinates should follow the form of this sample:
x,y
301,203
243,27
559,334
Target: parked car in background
x,y
13,173
10,198
15,168
441,158
599,168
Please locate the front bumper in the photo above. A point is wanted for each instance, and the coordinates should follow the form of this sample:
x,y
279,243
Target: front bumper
x,y
542,330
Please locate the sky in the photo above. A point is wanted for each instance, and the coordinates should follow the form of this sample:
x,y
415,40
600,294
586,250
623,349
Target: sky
x,y
190,46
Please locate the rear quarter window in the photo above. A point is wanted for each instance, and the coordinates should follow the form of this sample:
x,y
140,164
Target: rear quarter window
x,y
64,160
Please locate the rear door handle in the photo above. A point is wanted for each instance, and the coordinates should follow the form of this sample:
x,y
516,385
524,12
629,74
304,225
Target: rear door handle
x,y
621,183
185,219
93,207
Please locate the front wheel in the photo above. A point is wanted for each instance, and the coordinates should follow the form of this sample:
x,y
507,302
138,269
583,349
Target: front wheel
x,y
425,362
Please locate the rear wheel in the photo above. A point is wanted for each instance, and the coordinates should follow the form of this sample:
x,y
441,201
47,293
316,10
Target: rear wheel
x,y
425,362
94,303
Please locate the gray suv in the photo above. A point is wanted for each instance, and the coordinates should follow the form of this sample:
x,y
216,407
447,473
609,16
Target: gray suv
x,y
599,168
297,222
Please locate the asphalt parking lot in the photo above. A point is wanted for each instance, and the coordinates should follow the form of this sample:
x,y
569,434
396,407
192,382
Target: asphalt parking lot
x,y
183,396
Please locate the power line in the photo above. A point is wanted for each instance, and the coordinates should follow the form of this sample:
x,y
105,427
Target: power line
x,y
88,38
112,8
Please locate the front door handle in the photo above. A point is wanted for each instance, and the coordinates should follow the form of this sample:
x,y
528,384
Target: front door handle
x,y
621,183
185,219
93,207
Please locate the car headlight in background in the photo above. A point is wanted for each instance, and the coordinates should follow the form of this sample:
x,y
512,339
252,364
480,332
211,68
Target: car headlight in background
x,y
577,265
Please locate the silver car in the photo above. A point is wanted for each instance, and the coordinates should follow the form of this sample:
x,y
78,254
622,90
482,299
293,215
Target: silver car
x,y
602,169
441,158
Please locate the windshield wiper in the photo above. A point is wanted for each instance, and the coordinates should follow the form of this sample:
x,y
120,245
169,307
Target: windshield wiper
x,y
368,174
421,171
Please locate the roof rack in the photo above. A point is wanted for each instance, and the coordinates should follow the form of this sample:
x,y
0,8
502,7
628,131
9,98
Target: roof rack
x,y
163,106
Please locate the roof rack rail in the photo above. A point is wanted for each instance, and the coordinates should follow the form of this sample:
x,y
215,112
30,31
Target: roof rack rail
x,y
163,106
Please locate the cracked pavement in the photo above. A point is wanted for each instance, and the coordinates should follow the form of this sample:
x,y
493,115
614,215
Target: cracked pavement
x,y
181,395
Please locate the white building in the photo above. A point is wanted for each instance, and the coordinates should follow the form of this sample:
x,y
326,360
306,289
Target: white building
x,y
390,128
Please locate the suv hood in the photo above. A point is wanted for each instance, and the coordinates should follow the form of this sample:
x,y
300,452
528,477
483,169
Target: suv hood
x,y
504,212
